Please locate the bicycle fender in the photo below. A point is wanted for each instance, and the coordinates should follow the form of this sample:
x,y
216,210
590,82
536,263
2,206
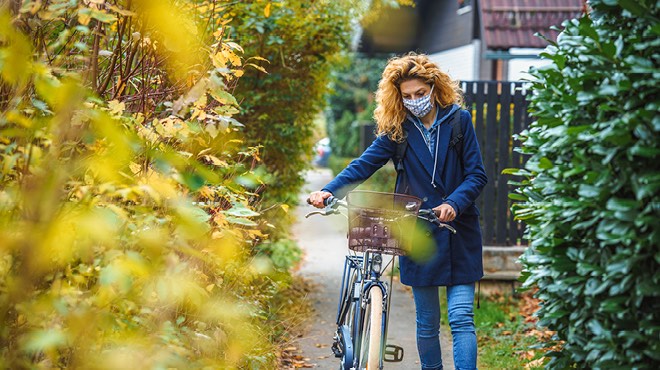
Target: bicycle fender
x,y
347,347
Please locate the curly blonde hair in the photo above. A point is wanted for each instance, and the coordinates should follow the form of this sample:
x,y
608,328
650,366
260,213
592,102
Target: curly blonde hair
x,y
390,112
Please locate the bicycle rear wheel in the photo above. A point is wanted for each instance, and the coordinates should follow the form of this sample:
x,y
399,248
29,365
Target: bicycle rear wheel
x,y
372,330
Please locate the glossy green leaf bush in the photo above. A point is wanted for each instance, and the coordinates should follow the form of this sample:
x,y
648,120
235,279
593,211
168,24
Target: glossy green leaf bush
x,y
590,190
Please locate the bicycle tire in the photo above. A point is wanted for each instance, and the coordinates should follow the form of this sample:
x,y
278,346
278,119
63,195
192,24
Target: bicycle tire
x,y
372,334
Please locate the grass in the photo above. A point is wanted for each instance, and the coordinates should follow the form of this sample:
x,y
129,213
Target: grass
x,y
505,335
290,312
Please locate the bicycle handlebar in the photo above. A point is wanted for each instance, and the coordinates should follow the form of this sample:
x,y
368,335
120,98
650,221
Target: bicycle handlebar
x,y
430,216
332,205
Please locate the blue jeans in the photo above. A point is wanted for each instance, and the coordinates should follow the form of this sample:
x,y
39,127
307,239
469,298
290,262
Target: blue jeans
x,y
460,304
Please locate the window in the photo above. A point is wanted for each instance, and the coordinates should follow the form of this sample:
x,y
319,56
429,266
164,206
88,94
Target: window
x,y
464,6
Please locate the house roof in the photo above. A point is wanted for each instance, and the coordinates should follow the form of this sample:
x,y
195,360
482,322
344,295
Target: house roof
x,y
512,23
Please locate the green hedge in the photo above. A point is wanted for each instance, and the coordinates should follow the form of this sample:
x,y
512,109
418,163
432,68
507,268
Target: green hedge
x,y
589,193
298,44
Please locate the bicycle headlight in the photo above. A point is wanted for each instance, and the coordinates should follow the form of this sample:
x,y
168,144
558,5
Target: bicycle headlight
x,y
377,263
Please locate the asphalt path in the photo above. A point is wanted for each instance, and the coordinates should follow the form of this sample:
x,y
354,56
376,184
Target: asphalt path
x,y
323,240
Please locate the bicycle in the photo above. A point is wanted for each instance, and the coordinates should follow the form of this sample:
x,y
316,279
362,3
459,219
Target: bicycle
x,y
379,223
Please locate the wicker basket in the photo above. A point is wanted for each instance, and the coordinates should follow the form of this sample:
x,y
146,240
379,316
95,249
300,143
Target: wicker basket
x,y
381,222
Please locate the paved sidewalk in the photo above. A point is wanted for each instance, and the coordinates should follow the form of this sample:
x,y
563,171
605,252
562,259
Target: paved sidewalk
x,y
323,240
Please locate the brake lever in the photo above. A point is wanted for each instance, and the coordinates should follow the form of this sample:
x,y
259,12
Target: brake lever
x,y
315,213
324,212
453,231
433,218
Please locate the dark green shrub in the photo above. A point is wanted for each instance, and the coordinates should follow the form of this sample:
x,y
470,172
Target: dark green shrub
x,y
590,189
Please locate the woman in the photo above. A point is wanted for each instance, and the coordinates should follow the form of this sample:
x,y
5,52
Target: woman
x,y
416,100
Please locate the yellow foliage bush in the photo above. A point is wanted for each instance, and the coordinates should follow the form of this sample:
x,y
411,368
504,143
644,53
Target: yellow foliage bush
x,y
124,227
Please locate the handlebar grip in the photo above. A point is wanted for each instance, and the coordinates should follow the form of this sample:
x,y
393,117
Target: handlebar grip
x,y
329,200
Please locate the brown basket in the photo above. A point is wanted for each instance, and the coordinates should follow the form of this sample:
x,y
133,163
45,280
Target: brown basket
x,y
381,222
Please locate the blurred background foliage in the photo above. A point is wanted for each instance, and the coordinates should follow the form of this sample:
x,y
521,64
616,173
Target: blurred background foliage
x,y
589,191
350,105
352,102
150,153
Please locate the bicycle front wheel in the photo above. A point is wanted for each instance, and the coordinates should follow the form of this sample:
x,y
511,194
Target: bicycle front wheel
x,y
372,334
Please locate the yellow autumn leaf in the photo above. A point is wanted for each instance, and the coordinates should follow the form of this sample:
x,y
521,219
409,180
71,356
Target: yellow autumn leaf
x,y
215,161
252,233
231,56
212,130
257,67
32,7
219,60
267,10
134,167
84,18
116,107
121,11
160,184
285,207
206,192
15,117
235,46
183,39
260,58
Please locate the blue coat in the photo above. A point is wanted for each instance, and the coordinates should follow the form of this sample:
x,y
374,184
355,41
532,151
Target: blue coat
x,y
454,259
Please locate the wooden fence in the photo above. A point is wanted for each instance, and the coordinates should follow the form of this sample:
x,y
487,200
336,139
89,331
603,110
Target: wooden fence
x,y
499,110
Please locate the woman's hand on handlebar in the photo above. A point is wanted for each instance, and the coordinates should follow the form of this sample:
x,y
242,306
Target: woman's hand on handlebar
x,y
445,212
316,198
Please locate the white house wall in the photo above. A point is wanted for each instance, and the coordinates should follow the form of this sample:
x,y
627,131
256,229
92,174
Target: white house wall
x,y
518,68
461,63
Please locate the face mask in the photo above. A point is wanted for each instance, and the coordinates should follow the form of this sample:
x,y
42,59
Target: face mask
x,y
419,107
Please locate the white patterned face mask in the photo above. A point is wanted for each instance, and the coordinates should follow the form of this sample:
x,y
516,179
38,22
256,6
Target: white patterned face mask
x,y
419,107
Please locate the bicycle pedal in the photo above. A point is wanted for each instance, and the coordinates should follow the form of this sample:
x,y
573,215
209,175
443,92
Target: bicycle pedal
x,y
393,353
336,351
